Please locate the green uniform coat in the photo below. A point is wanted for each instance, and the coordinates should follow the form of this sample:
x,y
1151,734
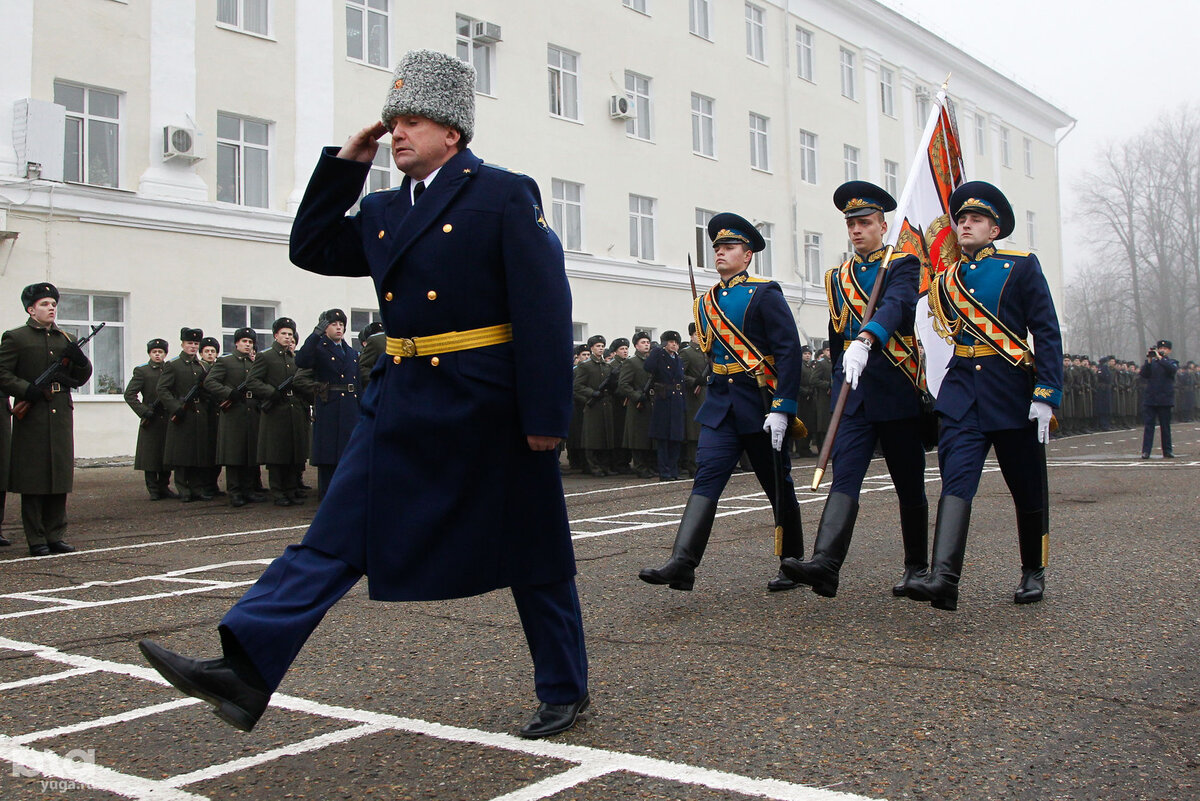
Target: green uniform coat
x,y
141,393
597,432
283,435
237,426
695,369
630,383
188,440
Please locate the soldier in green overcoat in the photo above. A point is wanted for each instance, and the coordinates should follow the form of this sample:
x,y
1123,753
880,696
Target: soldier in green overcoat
x,y
42,463
633,391
141,393
620,454
822,383
594,389
695,372
187,449
5,449
210,349
228,384
283,433
372,342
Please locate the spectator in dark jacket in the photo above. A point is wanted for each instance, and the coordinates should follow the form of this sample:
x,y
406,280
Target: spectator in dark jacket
x,y
1159,372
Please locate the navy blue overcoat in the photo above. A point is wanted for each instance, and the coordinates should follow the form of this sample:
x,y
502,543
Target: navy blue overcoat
x,y
335,411
438,494
666,415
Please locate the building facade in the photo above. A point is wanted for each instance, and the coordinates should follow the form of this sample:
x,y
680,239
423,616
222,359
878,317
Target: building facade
x,y
153,152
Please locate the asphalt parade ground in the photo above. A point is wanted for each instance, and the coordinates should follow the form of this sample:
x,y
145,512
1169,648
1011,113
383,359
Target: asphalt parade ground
x,y
726,692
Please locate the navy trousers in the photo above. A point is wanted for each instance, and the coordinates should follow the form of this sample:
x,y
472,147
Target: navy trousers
x,y
1161,415
668,457
962,448
276,616
902,450
718,452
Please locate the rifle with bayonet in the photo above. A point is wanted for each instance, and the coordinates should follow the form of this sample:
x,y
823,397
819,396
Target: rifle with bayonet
x,y
43,381
283,387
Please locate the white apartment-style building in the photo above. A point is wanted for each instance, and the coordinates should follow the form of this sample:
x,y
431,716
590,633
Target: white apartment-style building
x,y
153,152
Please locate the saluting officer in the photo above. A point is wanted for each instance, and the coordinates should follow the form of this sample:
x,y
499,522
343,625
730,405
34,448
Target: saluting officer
x,y
998,391
228,382
141,393
42,463
181,389
593,389
283,435
880,363
633,388
666,417
372,342
747,329
333,365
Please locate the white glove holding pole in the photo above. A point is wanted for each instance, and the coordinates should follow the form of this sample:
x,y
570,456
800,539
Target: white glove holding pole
x,y
1041,412
776,425
854,361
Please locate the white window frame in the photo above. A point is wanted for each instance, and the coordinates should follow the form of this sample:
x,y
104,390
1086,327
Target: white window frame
x,y
1028,156
114,339
891,177
923,98
887,93
804,54
1031,229
760,142
643,103
356,320
642,232
84,122
700,18
814,270
809,157
704,126
850,159
640,6
262,333
564,210
849,73
756,33
481,55
563,85
381,175
241,146
1005,147
764,260
238,12
980,134
705,257
371,17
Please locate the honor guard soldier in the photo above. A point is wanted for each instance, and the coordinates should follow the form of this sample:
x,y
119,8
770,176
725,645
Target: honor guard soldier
x,y
472,284
594,386
878,364
1159,372
333,365
998,392
665,367
188,450
141,393
228,383
633,388
372,343
748,331
695,371
42,462
283,434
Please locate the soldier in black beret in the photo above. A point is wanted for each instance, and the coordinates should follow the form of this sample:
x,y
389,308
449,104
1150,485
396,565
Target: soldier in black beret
x,y
141,393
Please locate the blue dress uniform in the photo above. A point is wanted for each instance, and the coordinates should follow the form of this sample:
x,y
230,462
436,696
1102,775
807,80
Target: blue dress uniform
x,y
991,302
334,366
885,408
666,413
732,415
1159,373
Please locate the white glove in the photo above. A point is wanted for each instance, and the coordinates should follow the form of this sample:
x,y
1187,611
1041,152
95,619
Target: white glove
x,y
776,425
854,361
1042,413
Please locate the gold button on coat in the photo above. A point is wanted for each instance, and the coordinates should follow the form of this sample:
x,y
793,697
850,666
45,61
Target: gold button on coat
x,y
979,367
388,296
431,295
381,234
396,359
435,361
447,228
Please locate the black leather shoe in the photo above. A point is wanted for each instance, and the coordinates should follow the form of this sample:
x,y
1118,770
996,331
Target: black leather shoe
x,y
781,583
283,502
1032,587
215,681
257,497
39,550
169,493
60,547
4,541
204,496
551,719
236,499
155,495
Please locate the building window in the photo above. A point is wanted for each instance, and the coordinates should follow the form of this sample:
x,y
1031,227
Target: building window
x,y
923,97
1029,157
237,314
641,227
808,157
579,333
1005,148
637,89
764,260
563,66
1031,229
848,77
361,318
812,257
245,15
567,213
887,96
704,141
804,54
76,312
367,25
891,177
700,18
756,33
980,134
379,177
91,151
480,54
850,161
705,258
760,147
242,160
637,5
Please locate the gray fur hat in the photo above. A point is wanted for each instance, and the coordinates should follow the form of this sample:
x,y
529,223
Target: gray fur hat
x,y
436,86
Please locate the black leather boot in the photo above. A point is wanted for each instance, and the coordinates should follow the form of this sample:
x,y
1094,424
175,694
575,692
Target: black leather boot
x,y
792,546
833,541
1033,572
940,587
679,573
914,530
238,695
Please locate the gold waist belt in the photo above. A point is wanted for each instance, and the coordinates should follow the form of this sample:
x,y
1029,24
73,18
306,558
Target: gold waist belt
x,y
975,351
401,347
734,367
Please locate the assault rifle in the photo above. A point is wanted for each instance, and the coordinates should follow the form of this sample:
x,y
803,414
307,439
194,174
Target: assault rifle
x,y
286,384
238,394
606,385
155,409
188,398
43,382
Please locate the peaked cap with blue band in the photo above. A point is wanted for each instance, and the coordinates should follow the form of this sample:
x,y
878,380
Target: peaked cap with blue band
x,y
984,198
860,198
728,228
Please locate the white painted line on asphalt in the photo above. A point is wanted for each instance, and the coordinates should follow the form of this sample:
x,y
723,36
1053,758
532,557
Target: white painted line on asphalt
x,y
46,678
107,720
552,785
154,544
